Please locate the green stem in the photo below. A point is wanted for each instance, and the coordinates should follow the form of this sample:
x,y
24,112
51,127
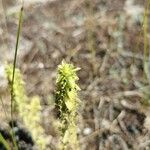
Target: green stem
x,y
13,76
4,142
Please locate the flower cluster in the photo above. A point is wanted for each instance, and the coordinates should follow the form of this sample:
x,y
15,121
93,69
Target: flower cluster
x,y
67,101
29,110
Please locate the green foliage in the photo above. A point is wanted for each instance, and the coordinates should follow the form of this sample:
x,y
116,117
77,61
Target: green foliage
x,y
66,103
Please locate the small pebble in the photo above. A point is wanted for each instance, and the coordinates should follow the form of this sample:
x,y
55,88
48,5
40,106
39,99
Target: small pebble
x,y
87,131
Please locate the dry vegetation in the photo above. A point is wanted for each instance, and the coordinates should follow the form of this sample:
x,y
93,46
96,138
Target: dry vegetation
x,y
102,37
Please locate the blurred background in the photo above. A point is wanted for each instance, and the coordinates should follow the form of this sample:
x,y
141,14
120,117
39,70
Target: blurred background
x,y
109,41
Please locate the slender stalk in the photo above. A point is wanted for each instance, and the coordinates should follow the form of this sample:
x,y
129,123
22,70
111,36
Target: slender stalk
x,y
4,142
15,59
13,76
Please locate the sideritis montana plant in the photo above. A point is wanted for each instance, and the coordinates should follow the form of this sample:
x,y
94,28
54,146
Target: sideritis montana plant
x,y
28,109
66,101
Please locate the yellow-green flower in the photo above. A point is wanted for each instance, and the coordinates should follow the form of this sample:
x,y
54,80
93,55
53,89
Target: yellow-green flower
x,y
29,110
67,101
